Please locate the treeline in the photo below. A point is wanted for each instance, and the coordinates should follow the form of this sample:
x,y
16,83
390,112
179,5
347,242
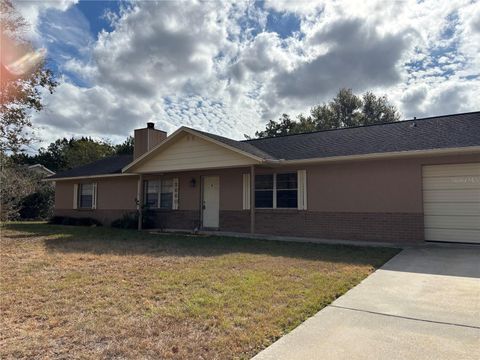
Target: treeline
x,y
65,154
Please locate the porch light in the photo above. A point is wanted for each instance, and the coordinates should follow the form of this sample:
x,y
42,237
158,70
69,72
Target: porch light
x,y
193,182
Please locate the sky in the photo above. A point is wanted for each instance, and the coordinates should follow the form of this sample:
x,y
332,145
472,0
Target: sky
x,y
229,67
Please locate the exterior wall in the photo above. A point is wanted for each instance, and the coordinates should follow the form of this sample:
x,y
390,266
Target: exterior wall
x,y
192,152
374,200
189,199
115,196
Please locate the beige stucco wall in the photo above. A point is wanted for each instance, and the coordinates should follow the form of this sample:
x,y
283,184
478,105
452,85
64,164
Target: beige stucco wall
x,y
382,186
393,185
114,193
189,197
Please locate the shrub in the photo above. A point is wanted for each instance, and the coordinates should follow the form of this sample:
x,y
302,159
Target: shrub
x,y
130,220
66,220
127,221
20,190
38,205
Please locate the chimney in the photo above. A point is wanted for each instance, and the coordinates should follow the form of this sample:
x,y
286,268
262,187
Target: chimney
x,y
147,138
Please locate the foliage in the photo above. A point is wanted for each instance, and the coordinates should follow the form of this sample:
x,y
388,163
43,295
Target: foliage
x,y
65,154
130,220
344,110
127,221
66,220
38,205
20,92
23,194
125,148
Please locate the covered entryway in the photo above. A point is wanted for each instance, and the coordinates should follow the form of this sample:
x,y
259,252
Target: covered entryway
x,y
211,201
451,202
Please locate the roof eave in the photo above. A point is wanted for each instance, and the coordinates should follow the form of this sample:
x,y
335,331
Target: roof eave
x,y
49,179
192,132
386,155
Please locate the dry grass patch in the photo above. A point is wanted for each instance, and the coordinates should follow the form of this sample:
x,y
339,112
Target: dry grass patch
x,y
76,293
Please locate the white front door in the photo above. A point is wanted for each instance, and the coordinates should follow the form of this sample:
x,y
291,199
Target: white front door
x,y
211,201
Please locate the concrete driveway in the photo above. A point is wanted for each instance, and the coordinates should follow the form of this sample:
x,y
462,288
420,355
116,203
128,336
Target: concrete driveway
x,y
422,304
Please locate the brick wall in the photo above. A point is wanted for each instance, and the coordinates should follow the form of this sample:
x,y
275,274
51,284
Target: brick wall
x,y
176,219
382,227
235,220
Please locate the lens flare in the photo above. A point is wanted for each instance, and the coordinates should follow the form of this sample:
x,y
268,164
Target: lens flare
x,y
26,63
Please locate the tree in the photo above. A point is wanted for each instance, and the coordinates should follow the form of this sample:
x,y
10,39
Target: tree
x,y
64,154
21,186
345,110
86,150
125,148
23,74
284,126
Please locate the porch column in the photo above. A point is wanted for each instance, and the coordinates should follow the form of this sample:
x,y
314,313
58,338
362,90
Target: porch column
x,y
252,199
140,200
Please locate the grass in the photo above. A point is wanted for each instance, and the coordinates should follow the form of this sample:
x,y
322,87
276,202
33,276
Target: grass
x,y
76,292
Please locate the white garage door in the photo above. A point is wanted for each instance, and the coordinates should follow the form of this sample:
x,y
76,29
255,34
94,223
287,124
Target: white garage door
x,y
451,202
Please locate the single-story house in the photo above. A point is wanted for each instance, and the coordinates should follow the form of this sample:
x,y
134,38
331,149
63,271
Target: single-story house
x,y
404,182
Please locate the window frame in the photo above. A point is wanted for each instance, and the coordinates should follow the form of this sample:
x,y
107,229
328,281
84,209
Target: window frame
x,y
295,189
265,190
275,189
79,196
146,185
159,193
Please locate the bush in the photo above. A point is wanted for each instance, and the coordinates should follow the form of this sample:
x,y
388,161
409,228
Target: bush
x,y
127,221
130,220
66,220
23,193
38,205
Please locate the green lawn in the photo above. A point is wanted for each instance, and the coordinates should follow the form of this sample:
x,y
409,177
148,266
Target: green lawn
x,y
78,292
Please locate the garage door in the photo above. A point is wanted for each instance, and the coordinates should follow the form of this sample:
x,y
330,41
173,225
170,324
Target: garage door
x,y
451,202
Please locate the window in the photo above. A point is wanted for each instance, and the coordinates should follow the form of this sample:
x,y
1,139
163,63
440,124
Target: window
x,y
85,198
264,191
276,191
159,194
166,194
151,193
287,190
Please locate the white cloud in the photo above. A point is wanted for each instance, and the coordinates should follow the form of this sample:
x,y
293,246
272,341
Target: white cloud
x,y
216,65
32,9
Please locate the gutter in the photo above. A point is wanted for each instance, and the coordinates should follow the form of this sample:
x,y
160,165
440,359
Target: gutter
x,y
468,150
87,177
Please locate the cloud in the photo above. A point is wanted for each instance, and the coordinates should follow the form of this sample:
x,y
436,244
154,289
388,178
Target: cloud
x,y
224,67
357,57
32,10
161,47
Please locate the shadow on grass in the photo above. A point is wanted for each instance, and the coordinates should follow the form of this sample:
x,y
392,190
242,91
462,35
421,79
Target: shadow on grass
x,y
104,240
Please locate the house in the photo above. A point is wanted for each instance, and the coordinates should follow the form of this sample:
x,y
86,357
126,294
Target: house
x,y
402,182
41,170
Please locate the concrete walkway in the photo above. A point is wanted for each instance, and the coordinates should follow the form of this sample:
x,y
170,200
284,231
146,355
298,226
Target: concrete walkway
x,y
422,304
